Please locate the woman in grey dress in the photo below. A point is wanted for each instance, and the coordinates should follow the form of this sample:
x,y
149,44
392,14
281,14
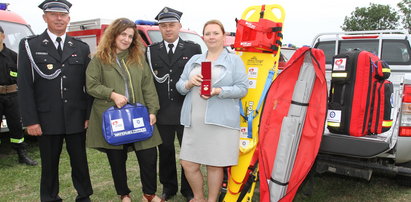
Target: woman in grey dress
x,y
212,123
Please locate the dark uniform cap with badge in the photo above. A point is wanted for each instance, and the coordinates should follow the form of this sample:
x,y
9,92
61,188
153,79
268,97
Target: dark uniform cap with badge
x,y
61,6
168,15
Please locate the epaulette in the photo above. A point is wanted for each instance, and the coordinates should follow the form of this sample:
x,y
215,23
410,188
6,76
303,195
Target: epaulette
x,y
79,39
156,43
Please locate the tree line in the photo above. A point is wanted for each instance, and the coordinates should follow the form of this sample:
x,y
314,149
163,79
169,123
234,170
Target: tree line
x,y
379,17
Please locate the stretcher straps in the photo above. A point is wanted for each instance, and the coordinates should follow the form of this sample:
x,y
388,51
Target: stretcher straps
x,y
250,124
256,26
277,29
298,103
262,11
274,45
278,182
250,116
278,43
252,178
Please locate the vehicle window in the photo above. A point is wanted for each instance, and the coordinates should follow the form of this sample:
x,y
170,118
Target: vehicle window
x,y
195,38
348,45
367,45
143,37
14,33
396,52
155,36
287,54
329,50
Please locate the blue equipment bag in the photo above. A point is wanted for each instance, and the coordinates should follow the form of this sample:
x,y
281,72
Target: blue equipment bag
x,y
128,124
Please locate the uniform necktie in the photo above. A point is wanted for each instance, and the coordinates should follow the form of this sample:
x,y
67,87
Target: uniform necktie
x,y
59,50
170,51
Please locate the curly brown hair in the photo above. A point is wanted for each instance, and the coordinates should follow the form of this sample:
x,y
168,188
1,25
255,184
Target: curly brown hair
x,y
106,49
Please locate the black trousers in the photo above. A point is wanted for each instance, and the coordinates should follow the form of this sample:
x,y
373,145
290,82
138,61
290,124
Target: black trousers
x,y
50,150
168,169
9,107
147,160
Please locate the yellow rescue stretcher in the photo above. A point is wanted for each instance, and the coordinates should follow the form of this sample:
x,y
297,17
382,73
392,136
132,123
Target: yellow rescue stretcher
x,y
258,43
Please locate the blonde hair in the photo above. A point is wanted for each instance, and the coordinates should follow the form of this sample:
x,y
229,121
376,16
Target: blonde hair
x,y
216,22
106,49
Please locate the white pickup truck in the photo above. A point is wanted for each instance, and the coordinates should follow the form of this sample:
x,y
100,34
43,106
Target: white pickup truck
x,y
389,152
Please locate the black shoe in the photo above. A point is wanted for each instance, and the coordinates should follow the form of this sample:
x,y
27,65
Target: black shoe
x,y
26,160
22,154
189,197
167,196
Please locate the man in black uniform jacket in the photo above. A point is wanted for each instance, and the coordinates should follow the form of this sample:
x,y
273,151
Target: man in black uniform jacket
x,y
8,100
53,102
167,60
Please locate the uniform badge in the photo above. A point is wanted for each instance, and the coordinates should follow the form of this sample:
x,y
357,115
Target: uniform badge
x,y
41,53
49,66
70,43
45,41
185,58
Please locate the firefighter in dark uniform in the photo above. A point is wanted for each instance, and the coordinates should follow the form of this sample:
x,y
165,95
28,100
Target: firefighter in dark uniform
x,y
167,60
53,101
8,100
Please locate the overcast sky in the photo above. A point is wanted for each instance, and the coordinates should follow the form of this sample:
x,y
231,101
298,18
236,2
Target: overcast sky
x,y
303,19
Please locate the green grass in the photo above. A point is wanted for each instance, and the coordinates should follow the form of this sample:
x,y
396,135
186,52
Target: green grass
x,y
330,187
21,183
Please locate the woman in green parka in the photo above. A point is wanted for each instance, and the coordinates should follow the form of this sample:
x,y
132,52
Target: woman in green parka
x,y
116,75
